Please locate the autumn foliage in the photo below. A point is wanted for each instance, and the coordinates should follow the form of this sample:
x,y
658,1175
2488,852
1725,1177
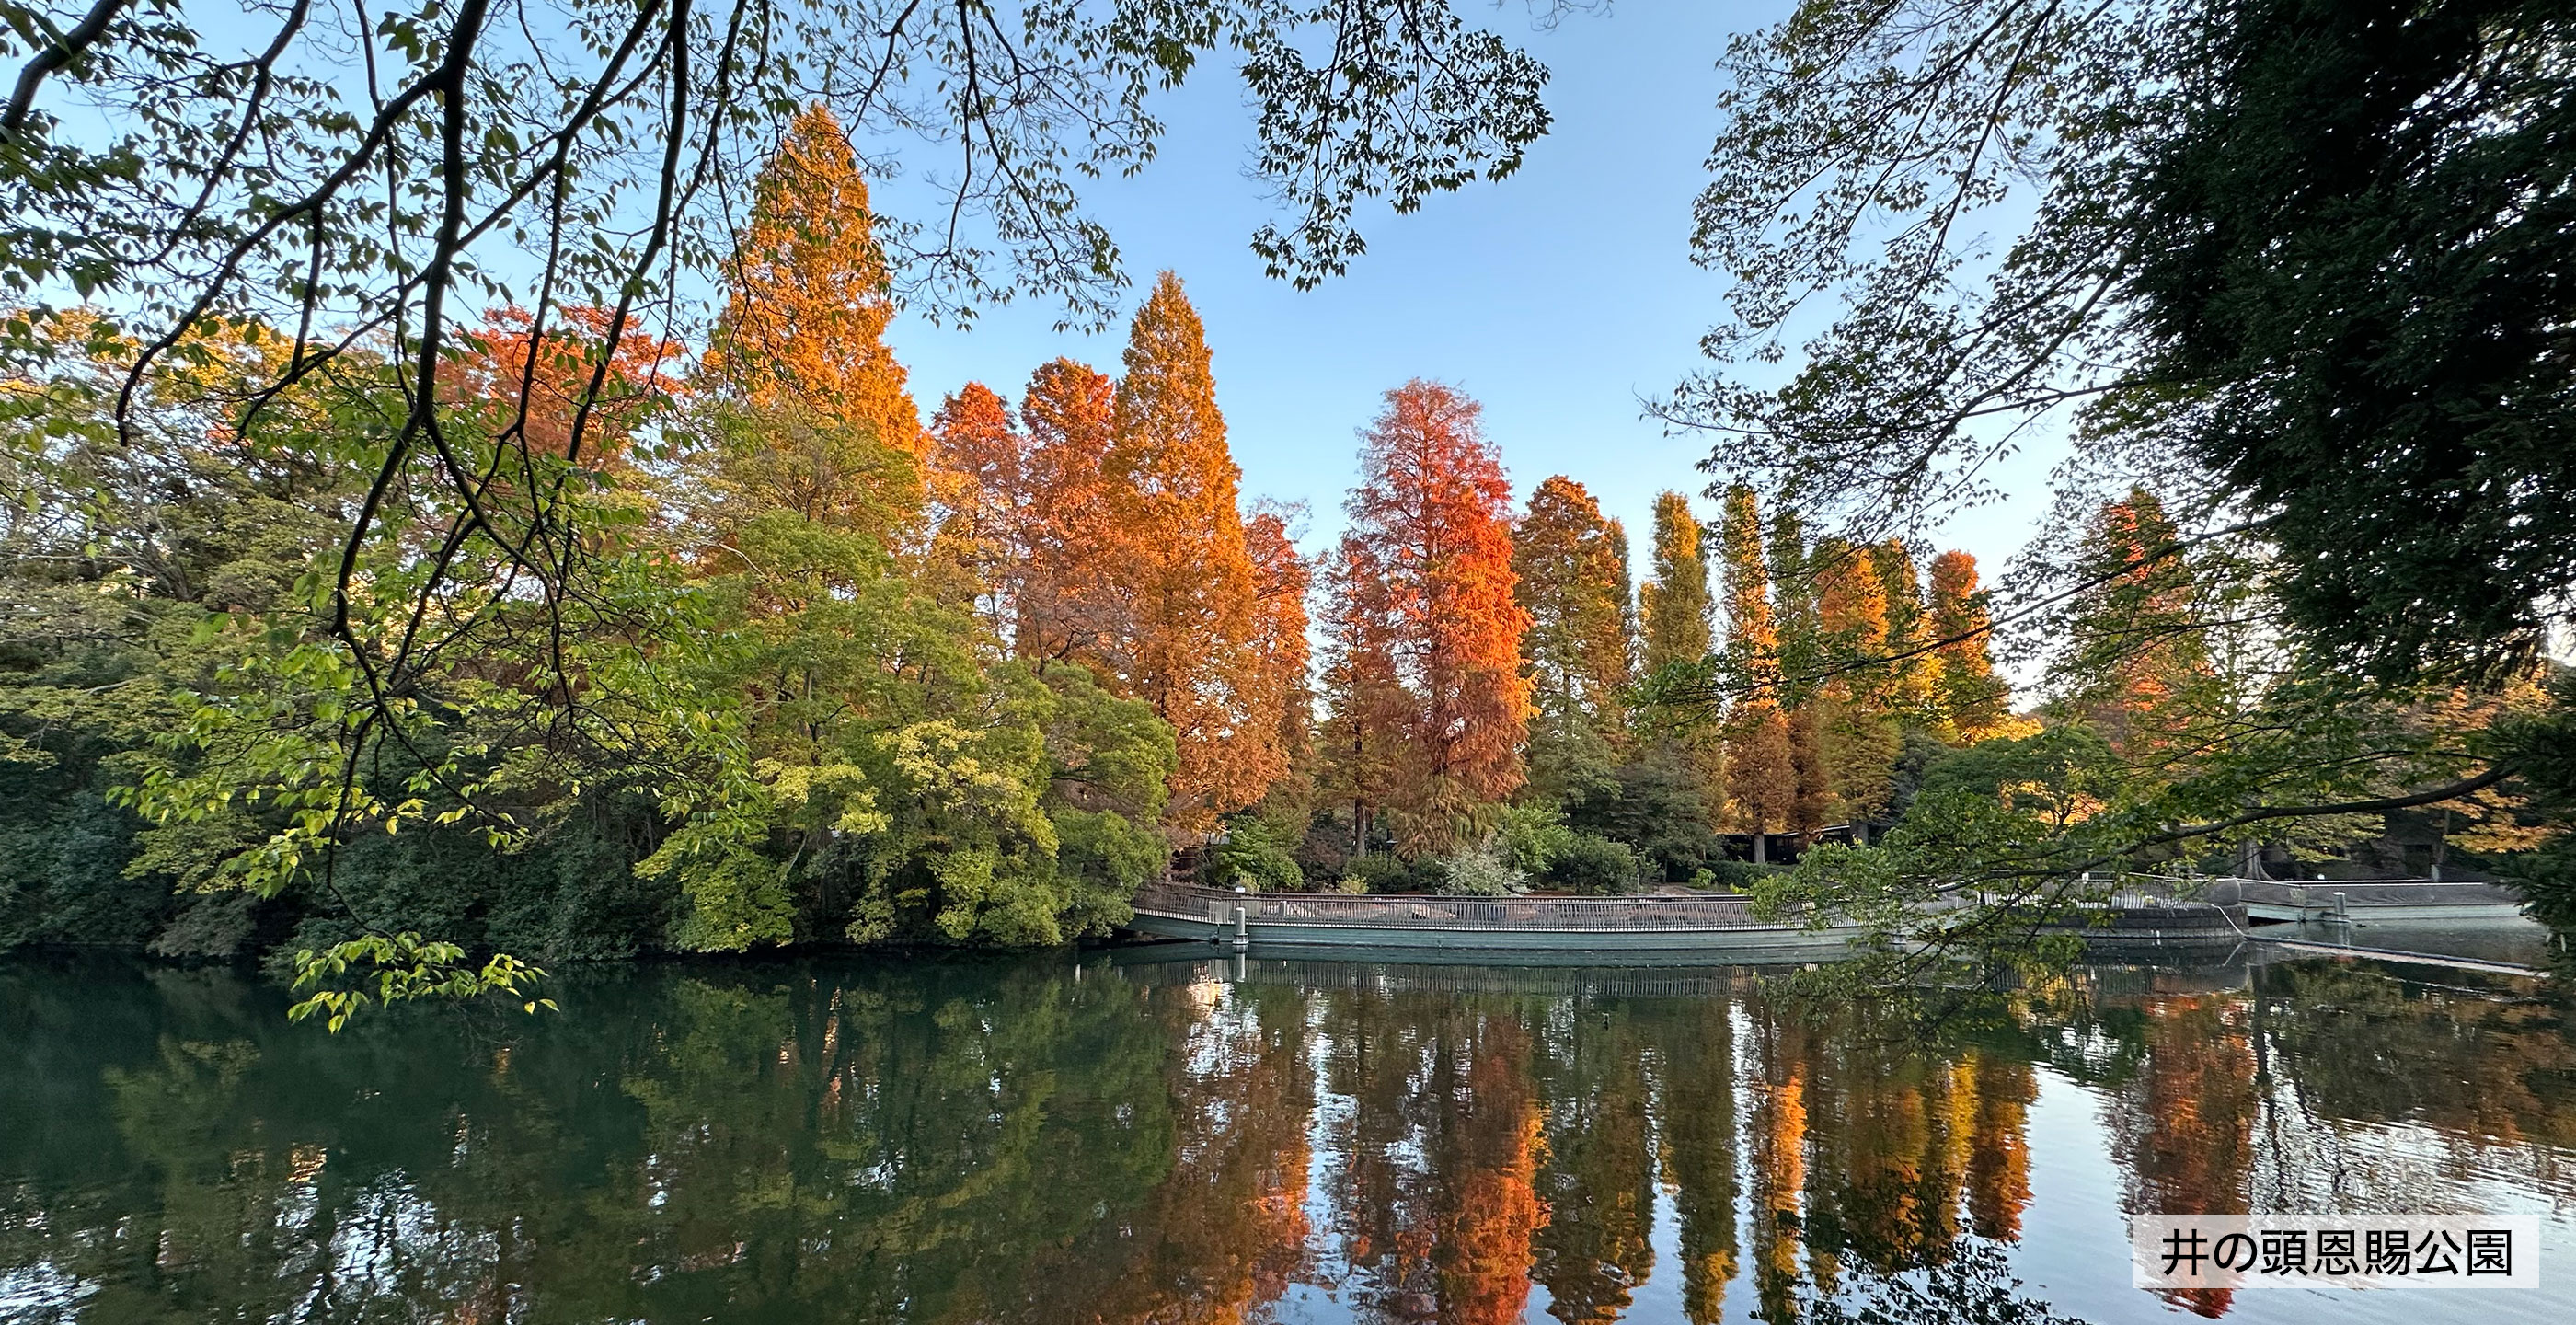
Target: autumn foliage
x,y
1065,598
1762,781
1183,571
809,303
1426,633
1475,655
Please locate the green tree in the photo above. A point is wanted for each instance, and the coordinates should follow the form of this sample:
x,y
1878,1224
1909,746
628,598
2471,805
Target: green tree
x,y
1673,607
1676,640
1571,578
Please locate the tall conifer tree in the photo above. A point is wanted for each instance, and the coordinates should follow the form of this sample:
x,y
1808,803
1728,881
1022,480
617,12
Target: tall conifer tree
x,y
1761,777
1285,697
1794,573
978,492
806,314
1913,670
1186,574
1673,612
2139,660
1860,744
1067,602
1572,581
1973,698
1426,635
1673,607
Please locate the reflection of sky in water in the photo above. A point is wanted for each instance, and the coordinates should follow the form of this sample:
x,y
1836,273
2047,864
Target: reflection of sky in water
x,y
1004,1142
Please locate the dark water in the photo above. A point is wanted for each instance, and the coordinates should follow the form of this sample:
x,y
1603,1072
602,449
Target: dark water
x,y
1181,1143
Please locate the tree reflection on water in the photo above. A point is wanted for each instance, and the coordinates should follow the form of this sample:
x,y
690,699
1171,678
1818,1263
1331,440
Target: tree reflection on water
x,y
1047,1142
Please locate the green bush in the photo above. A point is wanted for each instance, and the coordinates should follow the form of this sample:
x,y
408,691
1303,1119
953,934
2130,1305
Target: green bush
x,y
1735,876
1532,837
1595,865
1255,856
1394,874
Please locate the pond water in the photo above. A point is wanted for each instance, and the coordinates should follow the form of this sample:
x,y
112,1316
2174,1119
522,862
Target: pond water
x,y
1109,1139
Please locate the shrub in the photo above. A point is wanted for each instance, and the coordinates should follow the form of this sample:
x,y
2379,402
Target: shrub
x,y
1532,837
1595,865
1394,874
1255,856
1480,873
1736,876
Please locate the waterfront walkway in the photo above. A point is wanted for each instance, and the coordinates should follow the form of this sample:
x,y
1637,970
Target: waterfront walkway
x,y
1723,927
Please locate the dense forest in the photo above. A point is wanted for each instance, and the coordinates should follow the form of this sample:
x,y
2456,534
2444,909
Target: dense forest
x,y
390,550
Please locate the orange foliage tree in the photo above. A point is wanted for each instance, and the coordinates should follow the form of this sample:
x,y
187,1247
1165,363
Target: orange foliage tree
x,y
535,382
1426,633
979,494
1066,598
1761,777
2139,666
1281,578
1184,569
1368,712
808,303
1973,699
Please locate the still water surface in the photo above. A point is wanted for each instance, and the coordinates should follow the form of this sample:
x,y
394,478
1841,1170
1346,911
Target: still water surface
x,y
1188,1142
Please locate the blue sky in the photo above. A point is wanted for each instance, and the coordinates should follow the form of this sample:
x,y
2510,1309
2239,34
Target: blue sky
x,y
1557,297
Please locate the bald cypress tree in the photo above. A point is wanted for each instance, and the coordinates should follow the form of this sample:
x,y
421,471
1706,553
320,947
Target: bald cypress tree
x,y
1675,629
1761,777
1913,669
1860,742
1066,605
1974,700
1431,707
1189,640
1571,577
979,460
808,297
1673,607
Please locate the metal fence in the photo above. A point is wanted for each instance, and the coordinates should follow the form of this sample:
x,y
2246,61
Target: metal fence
x,y
2357,894
1579,914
